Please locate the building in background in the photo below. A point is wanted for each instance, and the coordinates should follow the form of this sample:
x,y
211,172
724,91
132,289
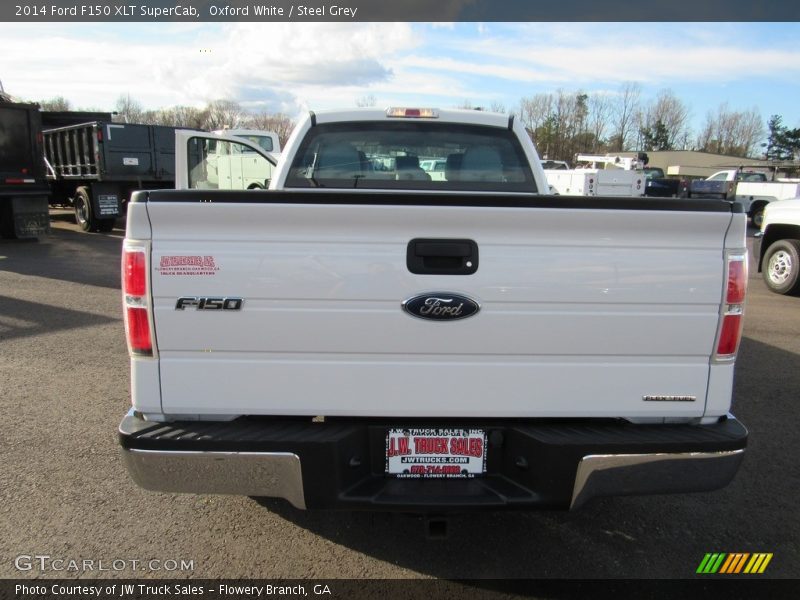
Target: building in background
x,y
692,164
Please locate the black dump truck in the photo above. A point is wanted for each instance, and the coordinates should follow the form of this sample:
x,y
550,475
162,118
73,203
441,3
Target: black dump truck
x,y
23,185
95,166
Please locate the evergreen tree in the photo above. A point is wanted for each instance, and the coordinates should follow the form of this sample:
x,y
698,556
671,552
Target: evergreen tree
x,y
783,143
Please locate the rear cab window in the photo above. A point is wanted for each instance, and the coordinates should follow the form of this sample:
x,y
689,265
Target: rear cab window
x,y
411,155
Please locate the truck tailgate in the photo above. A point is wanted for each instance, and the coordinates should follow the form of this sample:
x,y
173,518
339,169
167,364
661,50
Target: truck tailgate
x,y
586,306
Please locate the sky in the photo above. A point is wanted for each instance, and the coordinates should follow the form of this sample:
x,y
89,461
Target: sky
x,y
293,67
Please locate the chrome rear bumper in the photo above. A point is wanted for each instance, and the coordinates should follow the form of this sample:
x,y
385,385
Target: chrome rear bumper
x,y
273,474
630,474
341,464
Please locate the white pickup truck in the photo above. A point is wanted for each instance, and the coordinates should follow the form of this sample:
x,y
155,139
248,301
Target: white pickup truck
x,y
750,189
363,338
776,247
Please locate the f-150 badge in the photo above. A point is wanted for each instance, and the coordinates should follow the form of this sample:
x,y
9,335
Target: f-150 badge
x,y
208,303
441,306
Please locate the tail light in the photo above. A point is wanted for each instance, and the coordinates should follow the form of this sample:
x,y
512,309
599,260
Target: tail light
x,y
730,324
136,302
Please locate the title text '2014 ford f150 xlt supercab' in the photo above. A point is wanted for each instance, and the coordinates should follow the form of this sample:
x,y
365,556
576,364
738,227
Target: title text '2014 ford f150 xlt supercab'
x,y
364,336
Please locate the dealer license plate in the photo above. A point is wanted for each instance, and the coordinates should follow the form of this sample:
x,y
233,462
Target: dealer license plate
x,y
435,453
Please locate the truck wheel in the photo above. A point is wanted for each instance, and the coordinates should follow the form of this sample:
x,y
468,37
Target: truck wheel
x,y
757,216
84,215
781,266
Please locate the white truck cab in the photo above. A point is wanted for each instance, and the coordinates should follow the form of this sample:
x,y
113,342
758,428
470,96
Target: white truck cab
x,y
226,160
268,141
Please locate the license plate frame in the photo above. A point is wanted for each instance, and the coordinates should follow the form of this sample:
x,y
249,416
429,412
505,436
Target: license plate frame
x,y
435,452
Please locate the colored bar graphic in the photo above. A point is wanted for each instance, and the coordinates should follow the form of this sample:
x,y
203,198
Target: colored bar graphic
x,y
765,563
758,563
734,562
729,562
741,562
703,563
717,564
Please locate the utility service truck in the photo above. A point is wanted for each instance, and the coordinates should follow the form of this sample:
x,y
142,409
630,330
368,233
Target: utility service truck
x,y
752,189
599,176
356,337
231,166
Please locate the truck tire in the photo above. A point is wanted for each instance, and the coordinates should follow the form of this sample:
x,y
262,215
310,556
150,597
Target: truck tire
x,y
84,214
781,266
757,215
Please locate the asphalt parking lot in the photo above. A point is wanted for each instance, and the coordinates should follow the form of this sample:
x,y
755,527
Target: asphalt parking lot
x,y
64,388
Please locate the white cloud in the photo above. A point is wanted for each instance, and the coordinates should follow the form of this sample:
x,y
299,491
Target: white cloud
x,y
202,64
570,54
294,58
290,66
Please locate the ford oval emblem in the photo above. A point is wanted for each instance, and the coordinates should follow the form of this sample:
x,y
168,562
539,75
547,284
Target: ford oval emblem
x,y
441,306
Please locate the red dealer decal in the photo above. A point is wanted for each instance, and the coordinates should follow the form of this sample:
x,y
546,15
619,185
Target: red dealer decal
x,y
187,265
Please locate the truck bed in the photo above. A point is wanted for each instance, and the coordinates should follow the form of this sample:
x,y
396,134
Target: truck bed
x,y
105,151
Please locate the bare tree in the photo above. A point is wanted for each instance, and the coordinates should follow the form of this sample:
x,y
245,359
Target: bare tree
x,y
279,123
731,132
498,107
598,119
625,109
367,101
750,131
558,123
128,110
672,113
223,114
185,116
59,103
535,110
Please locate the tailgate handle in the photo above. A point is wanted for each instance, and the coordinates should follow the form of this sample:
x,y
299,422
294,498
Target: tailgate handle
x,y
442,257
